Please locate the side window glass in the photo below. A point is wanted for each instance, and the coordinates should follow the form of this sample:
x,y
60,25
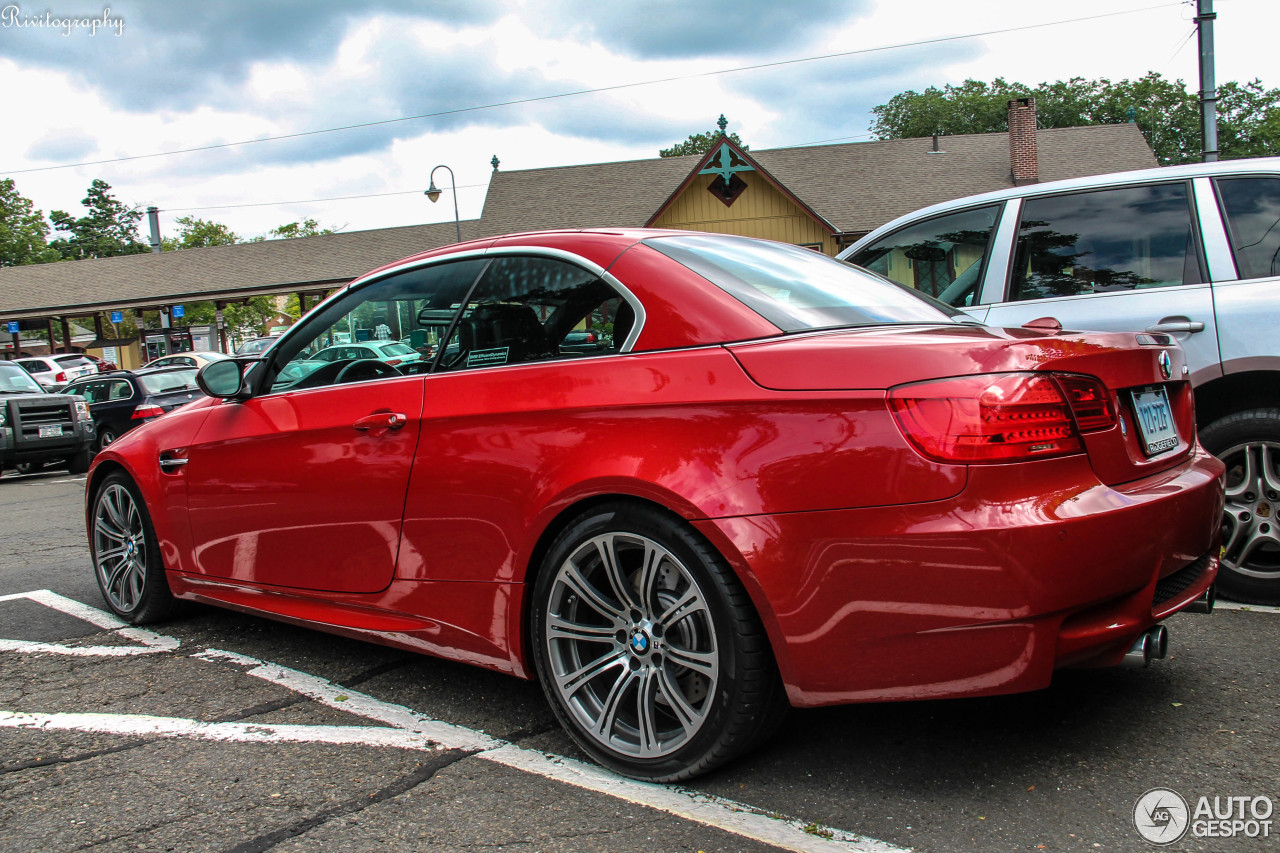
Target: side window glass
x,y
943,256
529,309
1105,241
416,307
121,390
1252,208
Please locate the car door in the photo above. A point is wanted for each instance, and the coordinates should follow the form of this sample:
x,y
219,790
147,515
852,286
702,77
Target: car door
x,y
1116,259
303,485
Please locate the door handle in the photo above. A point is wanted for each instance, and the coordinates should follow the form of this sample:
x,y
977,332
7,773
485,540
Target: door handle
x,y
382,420
171,462
1177,326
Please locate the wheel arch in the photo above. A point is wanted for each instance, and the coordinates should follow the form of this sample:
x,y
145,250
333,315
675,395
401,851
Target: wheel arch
x,y
1236,392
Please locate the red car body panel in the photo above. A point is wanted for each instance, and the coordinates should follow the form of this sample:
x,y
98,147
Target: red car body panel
x,y
878,573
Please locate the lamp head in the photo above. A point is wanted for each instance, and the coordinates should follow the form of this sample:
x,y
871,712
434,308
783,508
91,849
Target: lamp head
x,y
433,192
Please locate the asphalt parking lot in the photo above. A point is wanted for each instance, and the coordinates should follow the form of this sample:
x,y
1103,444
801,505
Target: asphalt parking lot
x,y
223,732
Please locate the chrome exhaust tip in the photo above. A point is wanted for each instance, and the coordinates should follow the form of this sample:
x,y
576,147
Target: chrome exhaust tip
x,y
1203,604
1159,642
1150,645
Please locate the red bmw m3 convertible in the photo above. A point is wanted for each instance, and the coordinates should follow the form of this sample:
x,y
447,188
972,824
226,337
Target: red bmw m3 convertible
x,y
778,480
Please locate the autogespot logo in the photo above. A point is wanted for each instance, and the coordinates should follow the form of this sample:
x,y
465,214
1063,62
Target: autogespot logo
x,y
1161,816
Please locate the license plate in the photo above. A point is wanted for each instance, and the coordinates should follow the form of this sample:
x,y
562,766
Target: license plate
x,y
54,431
1155,420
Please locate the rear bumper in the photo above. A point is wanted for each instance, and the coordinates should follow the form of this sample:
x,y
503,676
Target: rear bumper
x,y
986,593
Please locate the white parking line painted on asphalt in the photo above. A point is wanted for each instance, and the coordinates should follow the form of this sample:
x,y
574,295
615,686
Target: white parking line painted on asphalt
x,y
140,725
149,642
407,729
731,816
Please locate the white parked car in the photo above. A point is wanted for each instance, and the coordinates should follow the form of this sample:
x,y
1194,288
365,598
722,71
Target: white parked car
x,y
1190,253
186,359
55,371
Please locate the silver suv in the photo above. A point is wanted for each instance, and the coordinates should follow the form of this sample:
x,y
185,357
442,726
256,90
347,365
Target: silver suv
x,y
1191,252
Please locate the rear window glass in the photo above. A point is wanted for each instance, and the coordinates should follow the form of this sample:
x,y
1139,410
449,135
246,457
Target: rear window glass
x,y
796,288
163,383
71,360
397,349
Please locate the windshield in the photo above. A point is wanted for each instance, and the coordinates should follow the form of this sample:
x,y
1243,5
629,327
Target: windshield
x,y
15,380
172,380
798,289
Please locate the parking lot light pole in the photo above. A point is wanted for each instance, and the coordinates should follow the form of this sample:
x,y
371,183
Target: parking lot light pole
x,y
433,193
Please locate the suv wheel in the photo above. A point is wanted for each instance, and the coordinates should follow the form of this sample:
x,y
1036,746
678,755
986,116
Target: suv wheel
x,y
1249,443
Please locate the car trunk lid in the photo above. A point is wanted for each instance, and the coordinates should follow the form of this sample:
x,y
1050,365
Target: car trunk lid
x,y
1143,374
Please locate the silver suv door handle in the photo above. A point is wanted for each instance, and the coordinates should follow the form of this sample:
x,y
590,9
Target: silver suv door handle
x,y
1177,326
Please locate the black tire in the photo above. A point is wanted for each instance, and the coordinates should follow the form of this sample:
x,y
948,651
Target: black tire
x,y
79,463
663,673
1249,443
29,467
126,557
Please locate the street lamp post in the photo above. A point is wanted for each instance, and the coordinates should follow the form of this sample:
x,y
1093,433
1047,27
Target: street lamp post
x,y
433,193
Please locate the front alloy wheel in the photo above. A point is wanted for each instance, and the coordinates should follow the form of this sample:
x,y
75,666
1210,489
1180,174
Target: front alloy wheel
x,y
126,557
648,647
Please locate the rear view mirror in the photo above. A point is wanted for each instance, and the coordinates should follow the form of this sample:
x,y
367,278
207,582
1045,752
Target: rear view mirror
x,y
223,379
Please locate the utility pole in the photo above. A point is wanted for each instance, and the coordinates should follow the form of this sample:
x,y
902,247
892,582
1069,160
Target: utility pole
x,y
1208,88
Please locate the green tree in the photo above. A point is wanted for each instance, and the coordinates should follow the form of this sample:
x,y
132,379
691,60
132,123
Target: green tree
x,y
305,228
23,231
195,233
1165,111
701,143
109,229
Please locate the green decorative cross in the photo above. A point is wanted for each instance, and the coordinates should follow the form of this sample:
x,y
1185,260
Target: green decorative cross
x,y
724,163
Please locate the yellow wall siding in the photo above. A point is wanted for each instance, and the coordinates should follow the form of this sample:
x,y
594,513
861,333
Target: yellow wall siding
x,y
761,211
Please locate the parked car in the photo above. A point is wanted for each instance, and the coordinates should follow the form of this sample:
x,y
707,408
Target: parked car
x,y
53,372
256,346
791,481
102,365
391,352
583,341
1188,253
186,359
39,429
126,399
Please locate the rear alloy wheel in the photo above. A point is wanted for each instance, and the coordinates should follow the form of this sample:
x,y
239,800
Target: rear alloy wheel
x,y
126,558
1249,444
648,647
105,437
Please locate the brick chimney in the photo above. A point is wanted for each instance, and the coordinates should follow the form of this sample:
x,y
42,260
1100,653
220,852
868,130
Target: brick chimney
x,y
1023,160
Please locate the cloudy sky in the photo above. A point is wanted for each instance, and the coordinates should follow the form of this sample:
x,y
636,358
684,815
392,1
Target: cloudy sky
x,y
458,81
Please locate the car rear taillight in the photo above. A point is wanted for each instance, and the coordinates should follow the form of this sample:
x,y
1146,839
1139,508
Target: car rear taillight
x,y
591,337
61,377
1090,402
148,411
1001,417
393,362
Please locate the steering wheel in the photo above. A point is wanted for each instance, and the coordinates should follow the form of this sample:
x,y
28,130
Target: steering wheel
x,y
362,369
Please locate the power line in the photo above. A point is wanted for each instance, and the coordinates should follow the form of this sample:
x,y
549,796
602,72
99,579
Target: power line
x,y
620,86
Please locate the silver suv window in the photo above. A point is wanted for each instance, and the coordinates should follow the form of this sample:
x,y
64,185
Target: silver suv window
x,y
943,256
1103,241
1252,208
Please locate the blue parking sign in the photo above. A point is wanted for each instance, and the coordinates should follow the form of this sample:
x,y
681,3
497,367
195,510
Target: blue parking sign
x,y
178,310
117,316
13,327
